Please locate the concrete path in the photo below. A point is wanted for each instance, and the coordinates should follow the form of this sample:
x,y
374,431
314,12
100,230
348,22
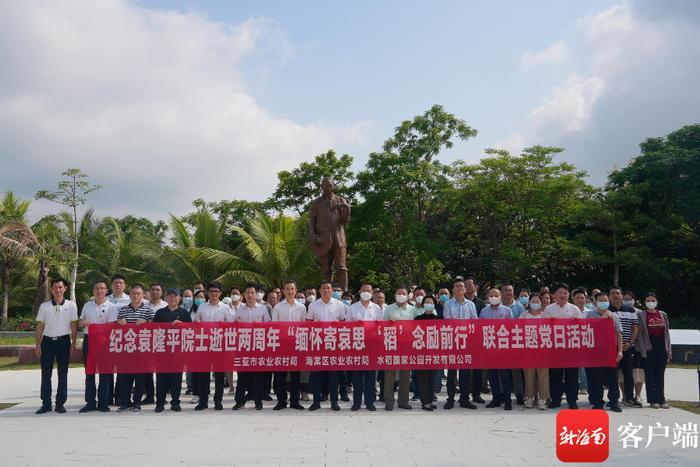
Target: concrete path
x,y
486,437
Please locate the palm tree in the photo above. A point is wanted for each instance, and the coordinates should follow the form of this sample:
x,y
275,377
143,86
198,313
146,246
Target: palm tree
x,y
273,249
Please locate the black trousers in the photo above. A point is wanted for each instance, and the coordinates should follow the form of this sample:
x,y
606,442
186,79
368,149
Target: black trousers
x,y
250,382
476,383
126,382
281,386
202,383
148,387
563,381
627,367
655,367
501,385
58,350
168,383
597,378
92,392
425,380
465,382
319,379
267,382
363,383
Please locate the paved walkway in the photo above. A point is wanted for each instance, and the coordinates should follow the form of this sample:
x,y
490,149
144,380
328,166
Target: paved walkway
x,y
486,437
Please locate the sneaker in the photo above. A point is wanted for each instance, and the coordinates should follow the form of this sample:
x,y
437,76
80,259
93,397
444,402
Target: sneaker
x,y
541,405
529,403
87,408
159,408
655,406
136,408
449,404
664,405
43,409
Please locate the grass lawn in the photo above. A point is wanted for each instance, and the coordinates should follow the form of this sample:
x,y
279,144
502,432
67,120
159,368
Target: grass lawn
x,y
5,405
685,366
17,340
10,363
689,406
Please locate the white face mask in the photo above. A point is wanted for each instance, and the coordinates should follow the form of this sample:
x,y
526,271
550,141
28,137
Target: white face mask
x,y
628,302
535,306
419,299
401,298
236,297
366,296
310,298
651,305
495,300
259,296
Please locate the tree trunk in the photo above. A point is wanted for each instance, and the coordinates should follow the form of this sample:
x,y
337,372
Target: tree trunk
x,y
42,288
5,294
74,271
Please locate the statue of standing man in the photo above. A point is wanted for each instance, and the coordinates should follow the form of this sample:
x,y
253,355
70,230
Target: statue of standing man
x,y
327,218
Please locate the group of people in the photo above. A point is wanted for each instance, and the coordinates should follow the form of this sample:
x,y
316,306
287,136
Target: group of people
x,y
642,339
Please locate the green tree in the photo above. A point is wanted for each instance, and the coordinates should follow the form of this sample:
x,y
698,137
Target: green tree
x,y
298,187
511,218
392,230
71,192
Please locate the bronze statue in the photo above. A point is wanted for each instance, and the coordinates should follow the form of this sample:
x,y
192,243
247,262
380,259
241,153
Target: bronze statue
x,y
327,218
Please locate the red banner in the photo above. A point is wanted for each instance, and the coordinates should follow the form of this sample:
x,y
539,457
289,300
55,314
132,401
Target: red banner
x,y
319,346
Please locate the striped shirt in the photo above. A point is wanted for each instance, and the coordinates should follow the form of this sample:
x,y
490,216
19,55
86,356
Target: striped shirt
x,y
628,319
131,315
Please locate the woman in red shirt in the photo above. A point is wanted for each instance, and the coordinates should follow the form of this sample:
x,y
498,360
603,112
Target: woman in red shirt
x,y
654,343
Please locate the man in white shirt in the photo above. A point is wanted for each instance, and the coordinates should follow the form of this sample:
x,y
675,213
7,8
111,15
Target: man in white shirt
x,y
120,299
400,310
561,308
97,311
364,382
288,310
250,383
56,330
326,309
155,302
213,311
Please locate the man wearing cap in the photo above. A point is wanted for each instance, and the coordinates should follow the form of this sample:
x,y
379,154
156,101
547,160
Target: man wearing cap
x,y
213,311
170,382
56,329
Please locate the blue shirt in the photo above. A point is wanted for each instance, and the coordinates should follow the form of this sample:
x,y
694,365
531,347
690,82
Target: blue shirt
x,y
502,312
517,308
456,310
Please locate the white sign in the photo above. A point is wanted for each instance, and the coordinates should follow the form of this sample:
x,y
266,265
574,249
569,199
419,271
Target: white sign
x,y
685,336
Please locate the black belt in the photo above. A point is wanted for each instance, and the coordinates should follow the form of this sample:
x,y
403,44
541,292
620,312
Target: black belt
x,y
57,338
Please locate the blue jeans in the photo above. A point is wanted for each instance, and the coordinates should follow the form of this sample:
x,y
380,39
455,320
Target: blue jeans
x,y
363,382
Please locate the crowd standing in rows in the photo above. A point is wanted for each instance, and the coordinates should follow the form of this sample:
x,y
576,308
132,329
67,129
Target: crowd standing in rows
x,y
642,338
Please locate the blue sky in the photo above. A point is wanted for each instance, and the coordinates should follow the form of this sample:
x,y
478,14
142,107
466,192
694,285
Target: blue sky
x,y
219,96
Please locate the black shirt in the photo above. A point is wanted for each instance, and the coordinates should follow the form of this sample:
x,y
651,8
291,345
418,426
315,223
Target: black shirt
x,y
164,315
478,302
428,316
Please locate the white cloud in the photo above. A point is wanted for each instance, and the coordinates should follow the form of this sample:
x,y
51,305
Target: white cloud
x,y
570,107
153,104
555,53
513,143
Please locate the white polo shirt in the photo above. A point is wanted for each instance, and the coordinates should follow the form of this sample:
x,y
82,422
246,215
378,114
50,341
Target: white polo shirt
x,y
98,314
569,310
358,312
120,302
57,317
208,313
334,310
161,304
283,311
256,314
